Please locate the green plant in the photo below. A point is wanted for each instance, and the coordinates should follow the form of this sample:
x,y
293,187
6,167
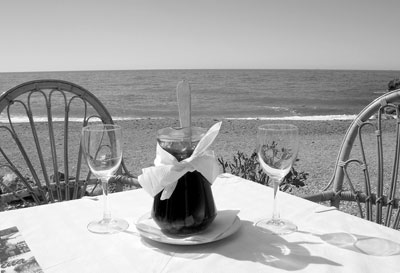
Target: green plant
x,y
248,167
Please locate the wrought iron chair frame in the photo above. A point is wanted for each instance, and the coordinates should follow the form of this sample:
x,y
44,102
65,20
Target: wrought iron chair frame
x,y
366,199
49,191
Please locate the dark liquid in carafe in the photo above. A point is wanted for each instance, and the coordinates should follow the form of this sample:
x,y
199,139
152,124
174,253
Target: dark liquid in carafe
x,y
190,208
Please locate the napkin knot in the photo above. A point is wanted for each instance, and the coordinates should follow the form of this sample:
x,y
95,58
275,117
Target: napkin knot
x,y
164,175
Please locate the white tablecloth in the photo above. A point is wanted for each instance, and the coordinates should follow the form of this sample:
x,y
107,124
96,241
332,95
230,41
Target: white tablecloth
x,y
327,241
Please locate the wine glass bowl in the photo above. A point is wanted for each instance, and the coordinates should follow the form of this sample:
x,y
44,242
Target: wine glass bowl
x,y
277,148
104,164
101,147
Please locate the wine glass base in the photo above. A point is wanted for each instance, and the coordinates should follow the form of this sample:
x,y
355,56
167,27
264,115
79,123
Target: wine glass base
x,y
277,226
108,226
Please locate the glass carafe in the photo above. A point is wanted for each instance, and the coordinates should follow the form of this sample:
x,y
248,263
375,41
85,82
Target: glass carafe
x,y
191,206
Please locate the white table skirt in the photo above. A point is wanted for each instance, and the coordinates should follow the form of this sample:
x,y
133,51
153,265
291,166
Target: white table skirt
x,y
58,237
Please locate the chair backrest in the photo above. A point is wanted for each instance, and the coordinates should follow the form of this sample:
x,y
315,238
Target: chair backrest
x,y
40,152
367,165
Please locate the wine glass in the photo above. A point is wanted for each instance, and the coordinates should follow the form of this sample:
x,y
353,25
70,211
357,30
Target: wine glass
x,y
277,150
101,144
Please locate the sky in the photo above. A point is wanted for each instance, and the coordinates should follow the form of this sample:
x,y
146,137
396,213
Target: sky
x,y
70,35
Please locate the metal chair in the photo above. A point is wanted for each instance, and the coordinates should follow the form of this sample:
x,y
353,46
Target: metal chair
x,y
366,170
40,154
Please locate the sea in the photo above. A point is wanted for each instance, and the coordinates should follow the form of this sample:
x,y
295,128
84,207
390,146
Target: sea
x,y
227,94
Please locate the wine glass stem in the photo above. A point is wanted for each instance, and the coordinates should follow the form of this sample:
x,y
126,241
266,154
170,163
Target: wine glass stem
x,y
106,211
275,208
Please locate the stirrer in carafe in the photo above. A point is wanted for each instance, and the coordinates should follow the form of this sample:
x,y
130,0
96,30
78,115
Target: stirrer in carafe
x,y
184,106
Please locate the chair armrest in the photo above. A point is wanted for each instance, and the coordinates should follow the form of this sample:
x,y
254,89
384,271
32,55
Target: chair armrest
x,y
320,196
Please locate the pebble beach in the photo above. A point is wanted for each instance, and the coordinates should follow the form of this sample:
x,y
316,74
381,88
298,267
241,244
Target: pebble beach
x,y
319,144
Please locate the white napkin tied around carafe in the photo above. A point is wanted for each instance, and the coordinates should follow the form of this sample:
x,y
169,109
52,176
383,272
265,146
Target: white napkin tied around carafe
x,y
167,170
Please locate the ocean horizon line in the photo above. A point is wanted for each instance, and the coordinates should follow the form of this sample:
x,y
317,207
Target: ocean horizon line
x,y
195,69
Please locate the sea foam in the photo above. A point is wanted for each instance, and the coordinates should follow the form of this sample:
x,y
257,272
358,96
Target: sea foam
x,y
21,119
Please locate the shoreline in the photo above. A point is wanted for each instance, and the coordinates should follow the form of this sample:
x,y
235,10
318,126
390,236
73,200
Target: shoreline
x,y
24,119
